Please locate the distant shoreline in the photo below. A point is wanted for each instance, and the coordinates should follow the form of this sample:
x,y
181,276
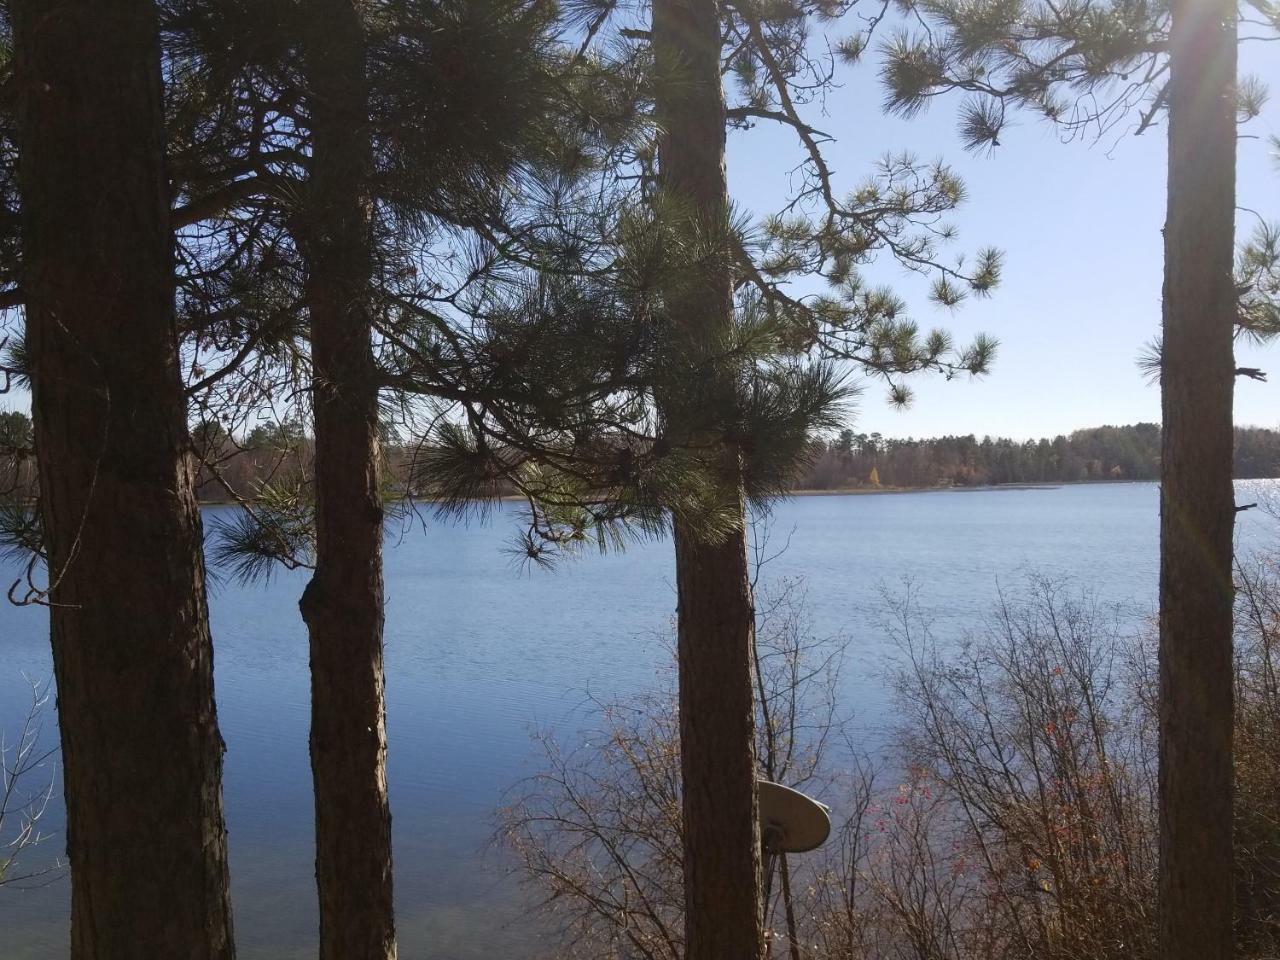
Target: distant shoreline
x,y
954,488
873,491
989,487
861,491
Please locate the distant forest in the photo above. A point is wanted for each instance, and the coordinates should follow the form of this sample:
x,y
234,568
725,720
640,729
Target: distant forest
x,y
859,460
846,462
280,455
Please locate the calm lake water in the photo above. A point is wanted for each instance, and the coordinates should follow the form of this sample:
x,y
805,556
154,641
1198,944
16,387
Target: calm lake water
x,y
480,652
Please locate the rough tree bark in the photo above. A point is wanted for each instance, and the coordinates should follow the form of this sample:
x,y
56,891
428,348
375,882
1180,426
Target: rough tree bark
x,y
343,603
1197,505
716,620
133,659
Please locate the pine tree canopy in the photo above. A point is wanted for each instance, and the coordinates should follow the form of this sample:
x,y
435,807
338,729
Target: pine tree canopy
x,y
519,293
523,253
1088,68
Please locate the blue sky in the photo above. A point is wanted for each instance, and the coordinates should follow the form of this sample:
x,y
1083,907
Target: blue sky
x,y
1080,226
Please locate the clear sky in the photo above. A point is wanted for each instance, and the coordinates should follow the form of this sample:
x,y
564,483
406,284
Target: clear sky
x,y
1080,226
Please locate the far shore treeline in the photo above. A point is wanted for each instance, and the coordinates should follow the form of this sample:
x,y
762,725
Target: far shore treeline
x,y
276,456
1099,453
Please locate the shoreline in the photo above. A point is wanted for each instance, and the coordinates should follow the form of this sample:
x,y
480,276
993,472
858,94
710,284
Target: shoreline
x,y
860,491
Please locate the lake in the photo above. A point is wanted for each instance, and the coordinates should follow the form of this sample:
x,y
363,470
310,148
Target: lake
x,y
480,652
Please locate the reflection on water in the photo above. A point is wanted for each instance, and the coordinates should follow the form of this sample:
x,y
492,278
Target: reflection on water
x,y
479,652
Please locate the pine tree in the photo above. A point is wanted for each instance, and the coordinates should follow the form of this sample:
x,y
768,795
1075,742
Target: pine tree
x,y
719,293
1197,501
355,132
712,400
715,635
343,605
273,162
133,659
1150,62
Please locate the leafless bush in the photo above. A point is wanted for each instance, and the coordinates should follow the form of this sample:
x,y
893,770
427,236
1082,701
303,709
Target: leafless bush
x,y
1257,757
1021,821
23,807
598,832
1034,746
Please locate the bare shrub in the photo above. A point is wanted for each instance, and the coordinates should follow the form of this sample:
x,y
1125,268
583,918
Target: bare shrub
x,y
1257,757
1020,820
1035,746
598,832
22,804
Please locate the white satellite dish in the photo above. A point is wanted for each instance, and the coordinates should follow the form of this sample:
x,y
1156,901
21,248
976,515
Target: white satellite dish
x,y
791,822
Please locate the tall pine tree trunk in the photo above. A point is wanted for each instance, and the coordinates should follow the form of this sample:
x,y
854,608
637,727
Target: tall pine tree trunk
x,y
716,621
1197,505
342,605
133,660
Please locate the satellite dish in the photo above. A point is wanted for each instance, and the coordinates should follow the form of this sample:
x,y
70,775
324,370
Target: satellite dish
x,y
791,822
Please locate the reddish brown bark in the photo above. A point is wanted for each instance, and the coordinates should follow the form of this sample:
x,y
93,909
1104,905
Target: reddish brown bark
x,y
716,620
1197,500
133,660
343,603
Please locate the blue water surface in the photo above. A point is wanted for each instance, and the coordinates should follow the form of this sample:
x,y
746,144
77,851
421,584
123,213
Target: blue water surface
x,y
481,651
